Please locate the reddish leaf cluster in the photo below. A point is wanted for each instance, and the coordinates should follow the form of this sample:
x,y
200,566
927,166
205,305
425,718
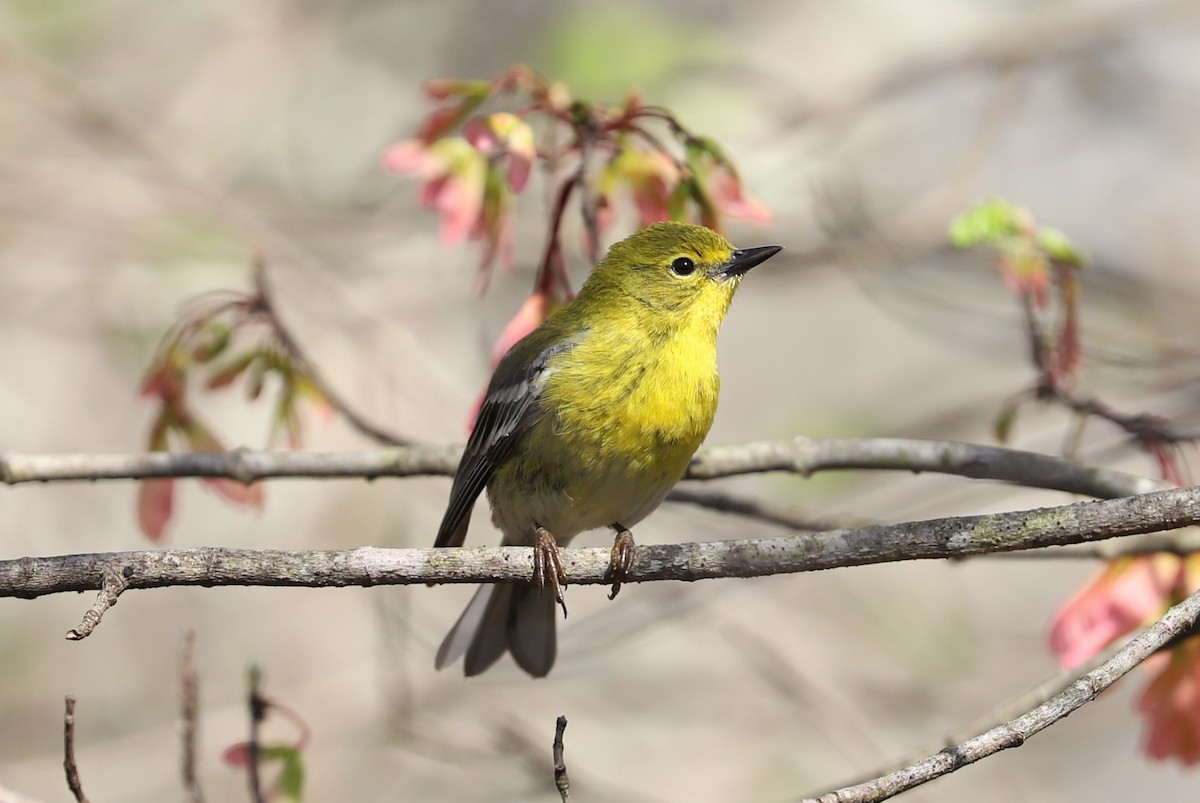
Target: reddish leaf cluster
x,y
231,337
472,177
1127,595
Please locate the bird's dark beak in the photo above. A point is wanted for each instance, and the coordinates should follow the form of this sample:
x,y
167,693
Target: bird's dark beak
x,y
744,259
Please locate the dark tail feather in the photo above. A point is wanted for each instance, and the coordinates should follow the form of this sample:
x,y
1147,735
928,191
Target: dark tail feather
x,y
500,618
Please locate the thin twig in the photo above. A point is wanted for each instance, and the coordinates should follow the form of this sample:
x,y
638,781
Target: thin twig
x,y
189,685
116,580
956,537
258,712
69,766
1010,709
266,300
1013,733
561,781
551,269
805,456
754,509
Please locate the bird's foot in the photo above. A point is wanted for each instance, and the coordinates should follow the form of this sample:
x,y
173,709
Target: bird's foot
x,y
622,558
547,567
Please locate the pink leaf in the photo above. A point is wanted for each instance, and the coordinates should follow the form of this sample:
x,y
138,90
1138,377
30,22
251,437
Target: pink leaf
x,y
1171,705
409,156
726,190
479,132
458,205
440,121
508,134
1127,594
237,755
155,504
236,493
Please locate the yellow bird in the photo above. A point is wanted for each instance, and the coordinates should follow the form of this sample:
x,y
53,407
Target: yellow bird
x,y
589,421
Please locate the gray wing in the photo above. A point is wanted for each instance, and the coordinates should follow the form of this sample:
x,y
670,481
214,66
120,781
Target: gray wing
x,y
509,411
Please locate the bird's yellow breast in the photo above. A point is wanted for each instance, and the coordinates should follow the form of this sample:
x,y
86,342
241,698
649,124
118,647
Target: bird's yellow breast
x,y
623,419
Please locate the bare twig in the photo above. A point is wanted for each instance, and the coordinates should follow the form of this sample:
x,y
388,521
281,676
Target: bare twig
x,y
1083,522
69,765
1013,733
561,781
804,456
754,509
189,685
258,712
116,580
266,300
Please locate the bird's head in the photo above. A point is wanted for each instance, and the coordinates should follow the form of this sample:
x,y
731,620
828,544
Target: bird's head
x,y
677,272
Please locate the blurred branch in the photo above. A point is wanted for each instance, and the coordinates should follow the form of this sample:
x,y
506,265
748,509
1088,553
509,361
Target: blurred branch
x,y
1013,733
1050,36
955,537
756,509
1010,709
803,456
266,300
258,712
69,766
561,781
189,697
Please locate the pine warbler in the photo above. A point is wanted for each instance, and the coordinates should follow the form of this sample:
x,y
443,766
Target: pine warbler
x,y
589,421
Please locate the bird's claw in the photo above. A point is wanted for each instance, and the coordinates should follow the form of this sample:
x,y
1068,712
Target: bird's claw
x,y
621,562
547,566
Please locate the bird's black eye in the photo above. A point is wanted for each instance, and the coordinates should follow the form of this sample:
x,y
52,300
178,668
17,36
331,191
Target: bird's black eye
x,y
683,266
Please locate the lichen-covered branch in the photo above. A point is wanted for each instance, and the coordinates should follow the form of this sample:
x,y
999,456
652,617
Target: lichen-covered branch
x,y
367,566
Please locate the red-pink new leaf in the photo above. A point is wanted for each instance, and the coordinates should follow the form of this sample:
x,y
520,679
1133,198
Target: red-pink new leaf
x,y
155,504
1171,705
726,191
506,134
454,174
1125,596
410,156
456,202
651,177
237,755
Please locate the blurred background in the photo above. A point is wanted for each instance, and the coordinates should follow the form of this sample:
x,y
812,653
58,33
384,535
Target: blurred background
x,y
146,149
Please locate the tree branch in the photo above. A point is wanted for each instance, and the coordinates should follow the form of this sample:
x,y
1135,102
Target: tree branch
x,y
113,584
189,716
368,566
69,766
1177,620
803,456
562,782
